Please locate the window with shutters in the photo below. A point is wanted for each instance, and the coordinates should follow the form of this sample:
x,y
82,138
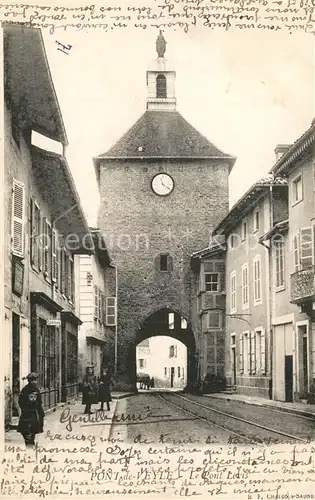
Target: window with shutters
x,y
47,242
111,311
65,271
297,189
100,306
183,324
54,270
306,247
244,230
296,252
257,280
240,352
35,234
245,287
246,352
256,222
212,282
303,249
214,320
178,371
260,358
96,302
233,292
161,86
279,264
252,354
18,218
173,351
71,280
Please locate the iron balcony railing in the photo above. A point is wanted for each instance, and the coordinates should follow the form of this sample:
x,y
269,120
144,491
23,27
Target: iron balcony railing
x,y
303,285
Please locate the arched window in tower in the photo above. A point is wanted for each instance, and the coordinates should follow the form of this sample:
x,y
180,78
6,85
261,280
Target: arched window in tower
x,y
161,86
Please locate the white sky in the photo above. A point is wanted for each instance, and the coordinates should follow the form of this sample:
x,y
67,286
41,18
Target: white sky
x,y
245,91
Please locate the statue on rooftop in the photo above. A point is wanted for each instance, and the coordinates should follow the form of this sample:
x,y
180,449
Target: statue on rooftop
x,y
160,45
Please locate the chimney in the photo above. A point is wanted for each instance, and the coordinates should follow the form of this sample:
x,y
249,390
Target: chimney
x,y
281,149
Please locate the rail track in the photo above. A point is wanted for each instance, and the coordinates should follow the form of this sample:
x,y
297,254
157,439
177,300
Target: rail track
x,y
246,422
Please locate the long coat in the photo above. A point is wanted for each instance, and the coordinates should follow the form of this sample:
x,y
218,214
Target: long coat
x,y
104,389
32,414
89,391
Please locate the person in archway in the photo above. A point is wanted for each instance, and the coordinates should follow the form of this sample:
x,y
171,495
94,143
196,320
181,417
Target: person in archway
x,y
90,390
31,420
104,395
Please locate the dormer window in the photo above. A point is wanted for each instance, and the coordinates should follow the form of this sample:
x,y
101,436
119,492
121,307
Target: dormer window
x,y
161,86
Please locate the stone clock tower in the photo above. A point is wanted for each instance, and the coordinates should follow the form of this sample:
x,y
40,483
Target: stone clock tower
x,y
163,188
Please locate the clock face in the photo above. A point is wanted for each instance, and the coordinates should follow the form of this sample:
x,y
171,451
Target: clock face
x,y
162,184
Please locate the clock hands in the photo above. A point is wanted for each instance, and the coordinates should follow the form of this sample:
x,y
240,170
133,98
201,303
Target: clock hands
x,y
167,187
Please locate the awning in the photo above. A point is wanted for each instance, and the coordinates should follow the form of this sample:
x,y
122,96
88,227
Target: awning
x,y
71,318
45,301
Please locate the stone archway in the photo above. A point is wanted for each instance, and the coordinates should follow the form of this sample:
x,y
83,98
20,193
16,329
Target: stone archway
x,y
157,324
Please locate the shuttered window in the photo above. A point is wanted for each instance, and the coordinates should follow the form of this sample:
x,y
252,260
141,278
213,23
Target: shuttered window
x,y
111,311
245,286
47,248
241,360
96,303
252,353
279,263
214,320
296,252
233,292
260,357
306,247
257,279
18,217
54,256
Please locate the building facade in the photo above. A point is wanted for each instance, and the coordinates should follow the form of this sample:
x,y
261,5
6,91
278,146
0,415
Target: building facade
x,y
293,287
209,307
165,360
96,302
43,212
163,188
248,314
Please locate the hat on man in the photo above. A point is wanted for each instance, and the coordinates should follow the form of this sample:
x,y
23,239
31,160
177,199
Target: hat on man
x,y
32,376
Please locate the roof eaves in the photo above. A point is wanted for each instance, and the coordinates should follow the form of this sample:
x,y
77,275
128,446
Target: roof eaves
x,y
64,133
297,148
241,205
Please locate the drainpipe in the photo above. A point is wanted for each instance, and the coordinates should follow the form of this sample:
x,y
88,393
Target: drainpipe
x,y
116,338
269,292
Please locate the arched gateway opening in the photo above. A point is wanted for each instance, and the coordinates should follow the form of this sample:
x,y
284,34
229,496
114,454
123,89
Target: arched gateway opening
x,y
168,323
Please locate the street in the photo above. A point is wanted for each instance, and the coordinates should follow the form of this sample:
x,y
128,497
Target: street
x,y
179,418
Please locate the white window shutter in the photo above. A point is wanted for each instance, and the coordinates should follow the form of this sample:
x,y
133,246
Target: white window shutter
x,y
18,217
241,361
263,352
296,247
54,255
306,247
252,353
111,311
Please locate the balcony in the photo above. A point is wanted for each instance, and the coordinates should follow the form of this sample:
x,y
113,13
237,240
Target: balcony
x,y
303,286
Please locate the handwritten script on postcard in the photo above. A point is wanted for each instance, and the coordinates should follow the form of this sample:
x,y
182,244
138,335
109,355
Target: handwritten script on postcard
x,y
77,464
265,15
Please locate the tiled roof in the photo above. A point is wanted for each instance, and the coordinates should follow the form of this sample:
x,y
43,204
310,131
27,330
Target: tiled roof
x,y
247,200
164,134
303,143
